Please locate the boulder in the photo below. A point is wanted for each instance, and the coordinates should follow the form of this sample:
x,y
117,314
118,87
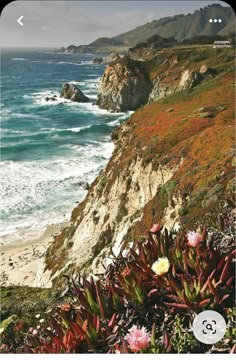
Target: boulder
x,y
205,70
51,98
72,92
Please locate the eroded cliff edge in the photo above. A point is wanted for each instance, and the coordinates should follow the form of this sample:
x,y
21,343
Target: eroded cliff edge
x,y
172,163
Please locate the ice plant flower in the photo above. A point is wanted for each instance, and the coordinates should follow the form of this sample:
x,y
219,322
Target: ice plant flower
x,y
126,272
155,228
194,238
37,316
41,321
35,332
161,266
138,339
31,329
65,307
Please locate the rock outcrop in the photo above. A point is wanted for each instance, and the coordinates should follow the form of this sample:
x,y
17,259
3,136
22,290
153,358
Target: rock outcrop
x,y
161,88
189,79
128,84
72,92
124,86
51,98
111,57
97,60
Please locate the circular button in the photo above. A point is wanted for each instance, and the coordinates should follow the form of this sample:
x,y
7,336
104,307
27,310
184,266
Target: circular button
x,y
209,327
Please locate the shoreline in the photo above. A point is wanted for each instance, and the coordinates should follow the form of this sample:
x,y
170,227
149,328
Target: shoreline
x,y
22,263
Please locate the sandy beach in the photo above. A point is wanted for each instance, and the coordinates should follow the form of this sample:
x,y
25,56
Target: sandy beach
x,y
22,263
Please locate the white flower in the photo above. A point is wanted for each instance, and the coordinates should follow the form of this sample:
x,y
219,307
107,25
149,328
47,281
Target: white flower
x,y
35,332
1,330
49,328
41,321
161,266
37,316
38,327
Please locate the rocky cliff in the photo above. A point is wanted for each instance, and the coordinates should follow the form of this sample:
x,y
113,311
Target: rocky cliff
x,y
128,84
172,163
125,85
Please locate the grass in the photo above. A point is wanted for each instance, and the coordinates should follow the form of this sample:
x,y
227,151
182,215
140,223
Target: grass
x,y
25,301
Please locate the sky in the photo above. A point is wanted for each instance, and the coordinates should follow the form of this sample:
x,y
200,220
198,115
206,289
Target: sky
x,y
61,23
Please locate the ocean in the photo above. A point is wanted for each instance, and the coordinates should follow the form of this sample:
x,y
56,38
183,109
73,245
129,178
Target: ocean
x,y
50,150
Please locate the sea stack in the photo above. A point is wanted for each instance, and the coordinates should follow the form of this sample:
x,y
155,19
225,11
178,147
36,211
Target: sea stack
x,y
72,92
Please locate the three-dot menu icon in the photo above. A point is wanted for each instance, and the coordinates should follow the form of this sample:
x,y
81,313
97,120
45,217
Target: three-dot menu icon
x,y
215,20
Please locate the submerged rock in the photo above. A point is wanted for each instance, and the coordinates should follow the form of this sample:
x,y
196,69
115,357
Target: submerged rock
x,y
51,98
72,92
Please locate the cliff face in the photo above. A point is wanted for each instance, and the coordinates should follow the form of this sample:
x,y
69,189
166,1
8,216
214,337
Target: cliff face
x,y
124,86
172,163
128,84
113,204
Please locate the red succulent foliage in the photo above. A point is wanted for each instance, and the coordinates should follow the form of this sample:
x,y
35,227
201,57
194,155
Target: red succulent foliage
x,y
130,293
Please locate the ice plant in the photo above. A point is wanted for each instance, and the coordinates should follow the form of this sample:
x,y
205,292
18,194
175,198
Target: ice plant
x,y
138,339
155,228
126,272
161,266
194,238
65,307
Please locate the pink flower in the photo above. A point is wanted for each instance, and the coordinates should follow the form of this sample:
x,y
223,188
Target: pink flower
x,y
126,272
65,307
155,228
138,339
31,329
194,238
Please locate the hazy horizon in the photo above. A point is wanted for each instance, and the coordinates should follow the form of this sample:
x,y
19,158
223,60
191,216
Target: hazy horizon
x,y
81,22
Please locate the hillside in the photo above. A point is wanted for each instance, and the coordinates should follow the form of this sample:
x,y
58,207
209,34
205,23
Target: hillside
x,y
173,160
183,26
179,27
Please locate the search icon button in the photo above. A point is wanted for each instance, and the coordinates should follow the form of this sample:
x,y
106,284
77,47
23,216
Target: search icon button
x,y
209,327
